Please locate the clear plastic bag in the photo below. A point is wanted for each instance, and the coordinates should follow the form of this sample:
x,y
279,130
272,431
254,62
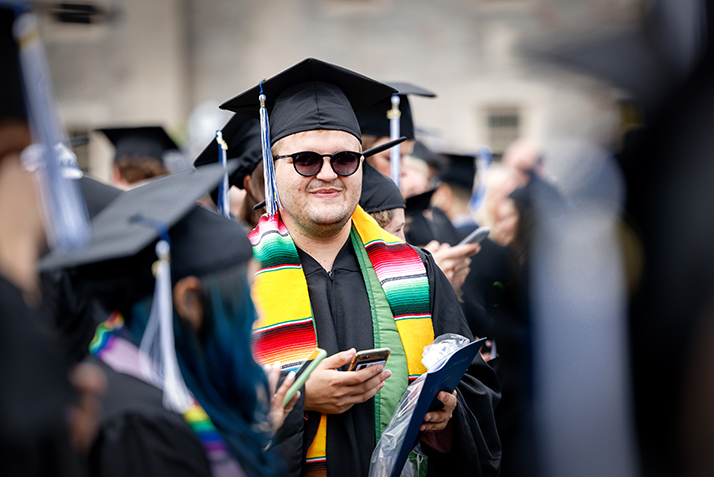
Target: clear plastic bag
x,y
385,454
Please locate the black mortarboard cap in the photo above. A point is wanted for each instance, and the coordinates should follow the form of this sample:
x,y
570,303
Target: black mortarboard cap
x,y
130,222
12,103
419,203
378,191
311,95
420,151
205,242
460,169
420,230
373,120
242,134
97,194
146,141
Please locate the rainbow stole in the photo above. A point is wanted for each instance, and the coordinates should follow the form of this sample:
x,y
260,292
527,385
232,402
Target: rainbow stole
x,y
285,329
106,337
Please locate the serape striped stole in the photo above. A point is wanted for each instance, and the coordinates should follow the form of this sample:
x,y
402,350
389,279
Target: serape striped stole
x,y
285,329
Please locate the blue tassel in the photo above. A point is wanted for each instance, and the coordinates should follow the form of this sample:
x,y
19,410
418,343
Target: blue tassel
x,y
224,207
64,208
272,201
395,154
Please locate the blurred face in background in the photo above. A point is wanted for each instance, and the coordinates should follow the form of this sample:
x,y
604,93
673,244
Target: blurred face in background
x,y
415,177
506,223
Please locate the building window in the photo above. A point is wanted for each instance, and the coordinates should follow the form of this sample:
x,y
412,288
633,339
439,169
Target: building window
x,y
504,127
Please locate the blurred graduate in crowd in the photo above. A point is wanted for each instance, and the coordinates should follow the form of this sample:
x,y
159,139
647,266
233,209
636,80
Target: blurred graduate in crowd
x,y
139,153
242,138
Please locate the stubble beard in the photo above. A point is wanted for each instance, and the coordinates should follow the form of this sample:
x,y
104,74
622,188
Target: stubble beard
x,y
317,230
314,220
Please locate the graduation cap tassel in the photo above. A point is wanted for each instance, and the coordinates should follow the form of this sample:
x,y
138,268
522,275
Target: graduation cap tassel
x,y
158,353
272,202
65,212
395,157
483,162
223,204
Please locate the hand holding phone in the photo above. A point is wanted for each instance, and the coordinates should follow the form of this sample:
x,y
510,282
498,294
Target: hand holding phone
x,y
304,372
369,357
331,391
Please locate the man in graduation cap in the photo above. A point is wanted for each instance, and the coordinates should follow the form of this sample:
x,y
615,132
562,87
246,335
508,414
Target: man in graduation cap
x,y
332,278
139,153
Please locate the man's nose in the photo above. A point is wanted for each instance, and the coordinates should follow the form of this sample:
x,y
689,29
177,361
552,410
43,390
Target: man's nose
x,y
326,173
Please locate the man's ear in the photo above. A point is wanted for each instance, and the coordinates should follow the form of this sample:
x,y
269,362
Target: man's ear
x,y
247,185
187,301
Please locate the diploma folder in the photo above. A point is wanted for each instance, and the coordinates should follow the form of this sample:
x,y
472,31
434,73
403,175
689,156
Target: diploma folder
x,y
444,376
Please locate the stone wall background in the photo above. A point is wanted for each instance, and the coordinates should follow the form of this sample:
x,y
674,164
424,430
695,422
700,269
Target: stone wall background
x,y
160,59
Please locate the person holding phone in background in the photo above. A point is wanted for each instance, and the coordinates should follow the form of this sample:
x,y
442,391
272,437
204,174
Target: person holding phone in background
x,y
332,278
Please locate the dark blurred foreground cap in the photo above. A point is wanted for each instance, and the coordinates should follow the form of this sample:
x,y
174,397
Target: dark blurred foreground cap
x,y
132,221
97,194
311,95
141,142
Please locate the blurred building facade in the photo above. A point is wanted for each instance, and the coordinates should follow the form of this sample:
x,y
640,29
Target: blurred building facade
x,y
154,62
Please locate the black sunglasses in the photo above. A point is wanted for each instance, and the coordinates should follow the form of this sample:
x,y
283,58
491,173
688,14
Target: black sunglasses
x,y
367,153
309,163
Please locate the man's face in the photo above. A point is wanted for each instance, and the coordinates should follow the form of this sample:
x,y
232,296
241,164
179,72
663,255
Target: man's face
x,y
320,205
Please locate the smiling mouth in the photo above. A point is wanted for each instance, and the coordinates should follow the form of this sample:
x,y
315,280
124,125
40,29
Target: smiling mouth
x,y
326,193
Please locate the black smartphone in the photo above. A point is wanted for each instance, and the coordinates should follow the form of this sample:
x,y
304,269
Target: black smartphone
x,y
369,357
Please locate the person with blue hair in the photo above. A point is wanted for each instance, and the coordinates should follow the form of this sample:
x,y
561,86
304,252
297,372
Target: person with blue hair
x,y
200,405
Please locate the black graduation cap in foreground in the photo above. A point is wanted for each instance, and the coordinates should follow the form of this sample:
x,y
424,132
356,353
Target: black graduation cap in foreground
x,y
374,121
131,221
141,142
97,194
460,169
379,192
242,134
311,95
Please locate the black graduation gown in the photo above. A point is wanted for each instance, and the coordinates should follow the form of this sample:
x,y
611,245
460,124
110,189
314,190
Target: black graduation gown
x,y
74,315
342,316
34,394
139,437
484,289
